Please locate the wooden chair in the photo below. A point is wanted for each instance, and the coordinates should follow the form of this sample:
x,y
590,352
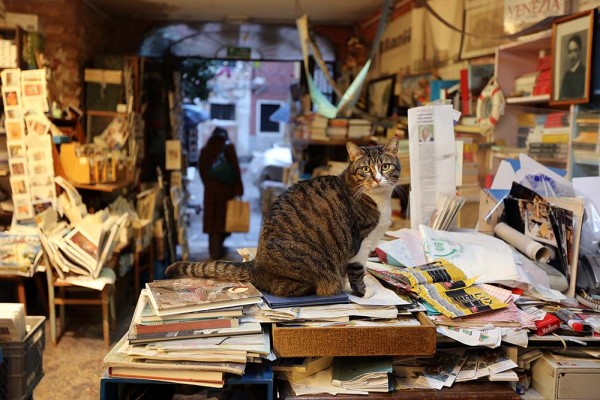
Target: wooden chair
x,y
62,293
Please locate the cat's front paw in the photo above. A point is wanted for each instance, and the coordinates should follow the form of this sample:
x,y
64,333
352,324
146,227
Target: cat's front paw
x,y
361,291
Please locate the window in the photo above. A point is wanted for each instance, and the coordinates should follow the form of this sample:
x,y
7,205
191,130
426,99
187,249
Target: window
x,y
222,111
264,110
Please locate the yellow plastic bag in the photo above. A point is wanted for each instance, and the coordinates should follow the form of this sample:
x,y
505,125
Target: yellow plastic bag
x,y
237,218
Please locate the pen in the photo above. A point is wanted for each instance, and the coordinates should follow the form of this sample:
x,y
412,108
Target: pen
x,y
574,322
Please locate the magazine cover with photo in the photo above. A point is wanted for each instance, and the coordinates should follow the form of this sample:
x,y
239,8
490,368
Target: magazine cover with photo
x,y
536,219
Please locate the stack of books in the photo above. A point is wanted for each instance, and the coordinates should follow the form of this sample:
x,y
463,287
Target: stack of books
x,y
542,83
525,84
318,128
338,128
190,330
358,128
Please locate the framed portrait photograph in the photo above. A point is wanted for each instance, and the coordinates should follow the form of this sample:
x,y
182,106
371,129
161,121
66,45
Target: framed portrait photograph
x,y
571,58
380,93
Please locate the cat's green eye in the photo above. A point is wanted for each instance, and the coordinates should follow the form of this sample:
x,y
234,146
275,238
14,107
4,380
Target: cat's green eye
x,y
366,169
385,167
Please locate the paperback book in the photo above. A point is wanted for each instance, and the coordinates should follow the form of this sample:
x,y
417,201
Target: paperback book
x,y
174,296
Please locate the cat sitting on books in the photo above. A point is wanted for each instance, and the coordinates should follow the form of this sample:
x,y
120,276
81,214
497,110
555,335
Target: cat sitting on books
x,y
319,231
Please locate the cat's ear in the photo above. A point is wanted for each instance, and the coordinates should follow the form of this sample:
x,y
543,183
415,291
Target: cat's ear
x,y
354,151
392,145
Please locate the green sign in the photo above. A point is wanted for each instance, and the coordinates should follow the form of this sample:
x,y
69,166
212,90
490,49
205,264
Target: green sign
x,y
242,53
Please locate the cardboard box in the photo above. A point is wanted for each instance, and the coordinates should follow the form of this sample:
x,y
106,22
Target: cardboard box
x,y
560,377
355,341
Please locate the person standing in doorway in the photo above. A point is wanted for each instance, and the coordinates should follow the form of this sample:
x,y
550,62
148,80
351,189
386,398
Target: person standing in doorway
x,y
217,192
573,82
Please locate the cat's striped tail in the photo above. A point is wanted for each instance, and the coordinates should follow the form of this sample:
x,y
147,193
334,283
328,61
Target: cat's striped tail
x,y
225,270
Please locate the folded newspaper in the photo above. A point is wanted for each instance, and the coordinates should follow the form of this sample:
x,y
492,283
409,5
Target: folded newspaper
x,y
444,286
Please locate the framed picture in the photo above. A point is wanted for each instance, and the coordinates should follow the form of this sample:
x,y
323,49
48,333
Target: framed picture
x,y
484,21
571,58
415,90
380,93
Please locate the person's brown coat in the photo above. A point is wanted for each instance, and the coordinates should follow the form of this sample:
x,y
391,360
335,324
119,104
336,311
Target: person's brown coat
x,y
216,193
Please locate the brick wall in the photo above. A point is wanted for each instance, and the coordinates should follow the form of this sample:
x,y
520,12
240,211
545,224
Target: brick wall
x,y
74,32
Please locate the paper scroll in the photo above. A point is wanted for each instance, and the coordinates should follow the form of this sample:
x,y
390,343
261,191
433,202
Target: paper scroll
x,y
532,249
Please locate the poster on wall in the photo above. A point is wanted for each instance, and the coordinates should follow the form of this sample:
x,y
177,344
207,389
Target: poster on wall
x,y
520,14
484,24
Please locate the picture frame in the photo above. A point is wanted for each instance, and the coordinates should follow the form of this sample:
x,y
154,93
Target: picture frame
x,y
415,90
484,21
572,38
380,95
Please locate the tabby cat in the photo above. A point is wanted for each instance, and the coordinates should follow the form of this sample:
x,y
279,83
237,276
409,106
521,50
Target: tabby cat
x,y
319,231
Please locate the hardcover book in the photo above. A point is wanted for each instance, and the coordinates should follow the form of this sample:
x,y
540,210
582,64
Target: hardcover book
x,y
303,301
174,296
246,328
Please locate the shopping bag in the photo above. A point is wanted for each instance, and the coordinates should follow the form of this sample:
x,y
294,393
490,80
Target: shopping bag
x,y
237,218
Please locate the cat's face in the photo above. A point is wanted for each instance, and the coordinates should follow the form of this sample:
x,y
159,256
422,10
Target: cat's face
x,y
374,168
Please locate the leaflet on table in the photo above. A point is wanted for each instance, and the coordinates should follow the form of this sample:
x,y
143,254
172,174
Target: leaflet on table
x,y
432,158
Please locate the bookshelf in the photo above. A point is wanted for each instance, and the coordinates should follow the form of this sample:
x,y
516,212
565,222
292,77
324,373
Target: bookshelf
x,y
529,125
584,151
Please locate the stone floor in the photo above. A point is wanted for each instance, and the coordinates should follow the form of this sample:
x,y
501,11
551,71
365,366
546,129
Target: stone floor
x,y
73,367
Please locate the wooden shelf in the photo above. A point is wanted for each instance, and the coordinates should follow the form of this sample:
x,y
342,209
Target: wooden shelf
x,y
102,187
331,142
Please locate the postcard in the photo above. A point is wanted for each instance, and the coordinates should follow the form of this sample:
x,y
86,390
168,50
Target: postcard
x,y
16,149
18,166
33,75
41,205
40,180
22,207
11,97
37,125
42,192
39,154
11,77
15,129
41,168
15,113
19,184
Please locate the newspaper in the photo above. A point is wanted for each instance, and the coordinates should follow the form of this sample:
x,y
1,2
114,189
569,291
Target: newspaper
x,y
432,159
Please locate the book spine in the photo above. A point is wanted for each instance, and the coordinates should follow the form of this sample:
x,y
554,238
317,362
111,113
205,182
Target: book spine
x,y
188,325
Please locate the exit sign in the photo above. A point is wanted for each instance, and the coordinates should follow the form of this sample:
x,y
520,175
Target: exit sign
x,y
242,53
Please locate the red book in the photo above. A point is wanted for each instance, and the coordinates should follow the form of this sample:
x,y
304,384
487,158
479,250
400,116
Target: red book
x,y
186,325
465,94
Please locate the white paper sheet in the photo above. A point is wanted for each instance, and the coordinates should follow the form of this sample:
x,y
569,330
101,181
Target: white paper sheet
x,y
432,159
476,254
